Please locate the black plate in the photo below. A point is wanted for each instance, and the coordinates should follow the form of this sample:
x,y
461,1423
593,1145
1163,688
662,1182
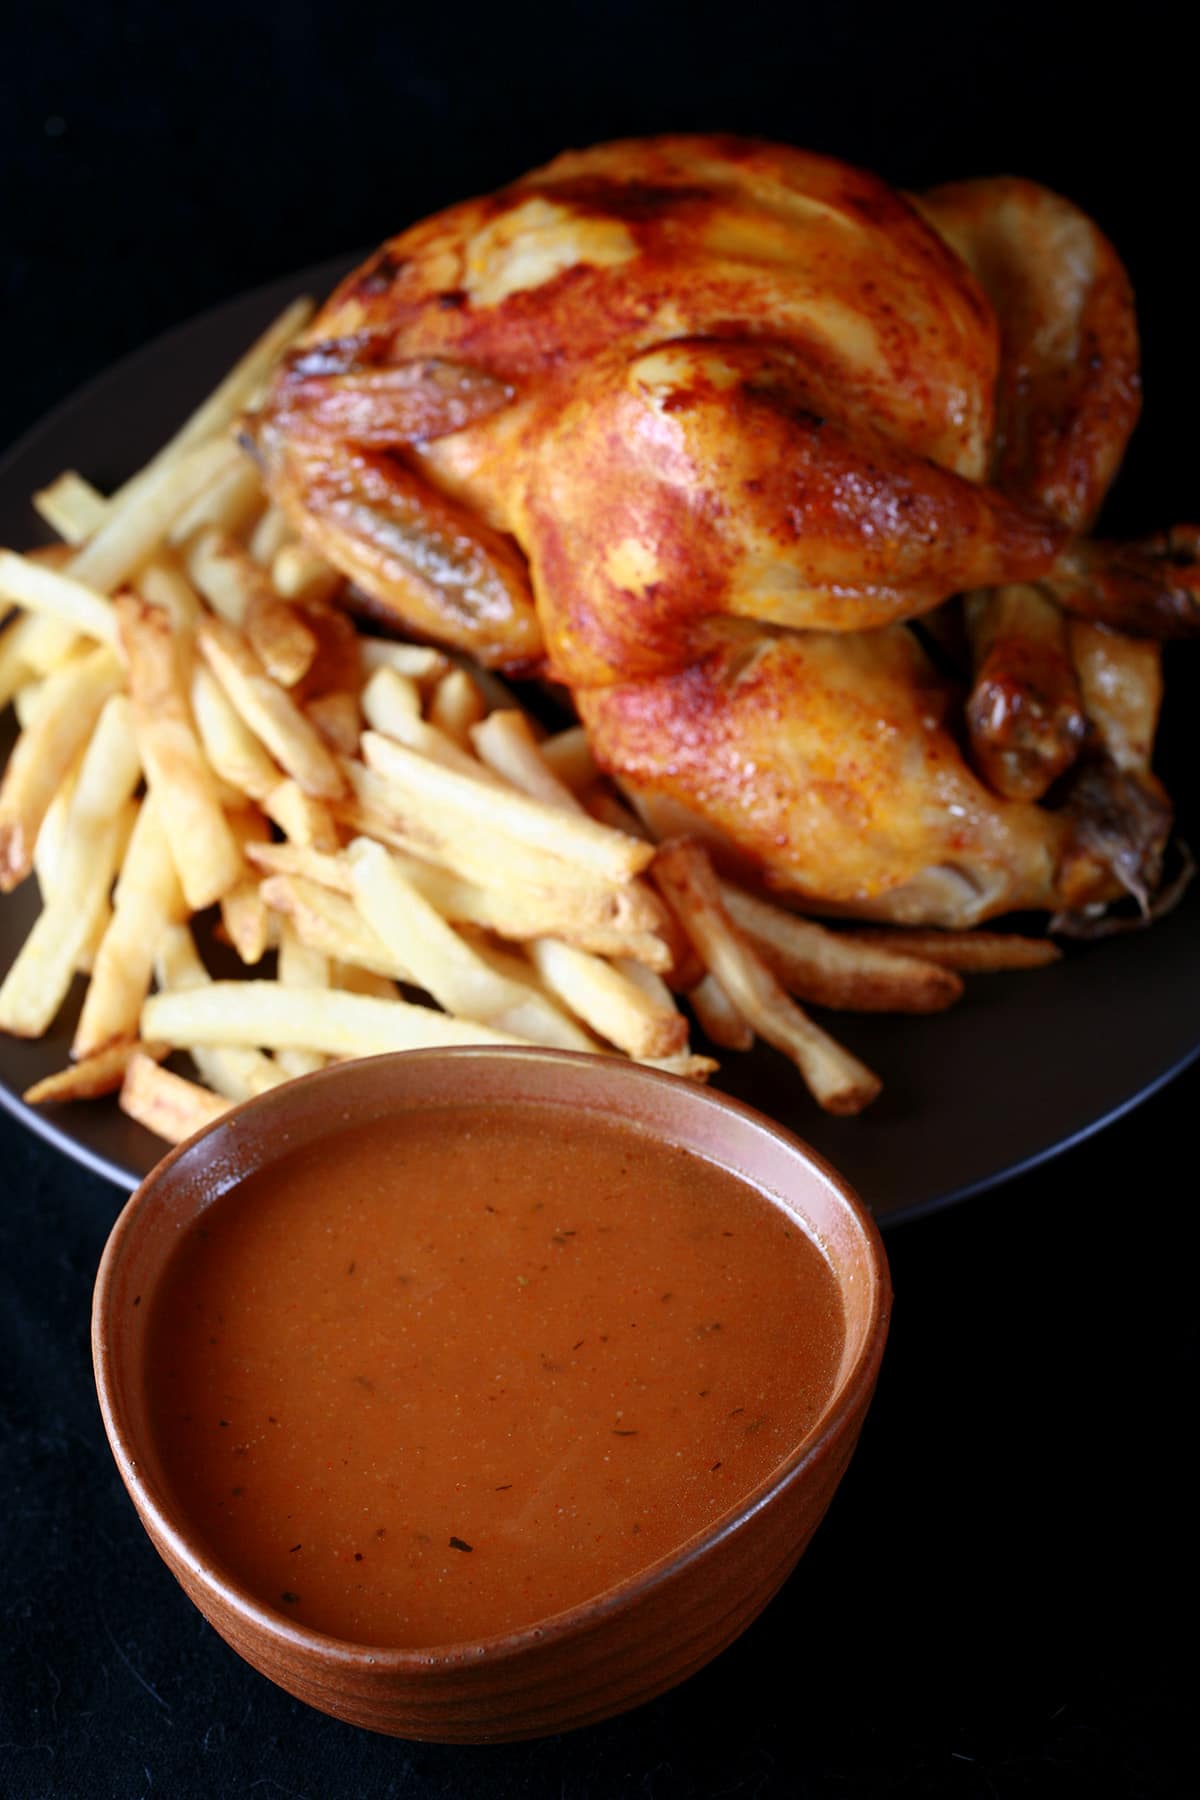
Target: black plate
x,y
1023,1067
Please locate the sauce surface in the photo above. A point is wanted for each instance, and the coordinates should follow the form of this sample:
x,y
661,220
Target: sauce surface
x,y
449,1374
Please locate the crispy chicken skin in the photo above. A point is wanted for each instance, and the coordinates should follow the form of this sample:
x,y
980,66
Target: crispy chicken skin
x,y
698,426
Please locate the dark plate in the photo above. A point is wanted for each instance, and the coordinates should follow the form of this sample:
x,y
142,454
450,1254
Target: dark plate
x,y
1022,1068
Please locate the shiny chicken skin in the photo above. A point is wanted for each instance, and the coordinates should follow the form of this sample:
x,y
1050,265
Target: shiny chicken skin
x,y
716,433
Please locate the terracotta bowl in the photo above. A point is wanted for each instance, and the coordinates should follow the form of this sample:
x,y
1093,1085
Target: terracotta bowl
x,y
627,1644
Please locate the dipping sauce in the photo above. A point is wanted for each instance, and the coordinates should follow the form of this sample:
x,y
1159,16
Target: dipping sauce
x,y
451,1373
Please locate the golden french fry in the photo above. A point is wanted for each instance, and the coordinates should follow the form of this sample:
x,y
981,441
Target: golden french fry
x,y
444,964
717,1016
505,742
147,898
334,1021
160,583
15,669
70,706
435,798
269,536
231,502
232,749
303,820
362,981
826,968
837,1080
457,704
390,699
618,1008
167,1104
71,506
41,589
244,912
970,952
300,967
569,756
338,718
417,662
298,573
202,845
92,1078
131,530
325,869
36,984
685,1064
269,710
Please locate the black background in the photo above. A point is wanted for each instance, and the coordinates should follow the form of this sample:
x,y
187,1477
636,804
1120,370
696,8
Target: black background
x,y
987,1610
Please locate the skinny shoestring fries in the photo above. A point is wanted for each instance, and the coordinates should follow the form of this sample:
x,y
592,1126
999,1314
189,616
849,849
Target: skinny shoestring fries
x,y
205,737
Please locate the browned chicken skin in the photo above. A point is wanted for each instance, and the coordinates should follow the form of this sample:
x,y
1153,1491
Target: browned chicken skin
x,y
697,426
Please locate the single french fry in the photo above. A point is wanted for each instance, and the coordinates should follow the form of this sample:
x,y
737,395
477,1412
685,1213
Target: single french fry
x,y
147,898
269,711
338,718
234,752
825,968
161,584
237,390
298,573
837,1080
336,1022
505,742
970,952
235,1069
569,756
41,589
455,705
37,982
132,530
244,912
390,698
418,662
300,967
71,506
326,869
92,1078
685,1064
269,536
41,757
303,820
51,837
165,1103
15,668
444,964
615,1006
436,797
717,1016
231,502
202,845
330,924
362,981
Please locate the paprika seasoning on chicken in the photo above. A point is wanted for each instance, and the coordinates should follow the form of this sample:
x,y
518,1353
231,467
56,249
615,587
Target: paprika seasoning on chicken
x,y
455,1372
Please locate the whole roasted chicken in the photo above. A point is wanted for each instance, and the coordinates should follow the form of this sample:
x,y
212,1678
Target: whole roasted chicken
x,y
788,478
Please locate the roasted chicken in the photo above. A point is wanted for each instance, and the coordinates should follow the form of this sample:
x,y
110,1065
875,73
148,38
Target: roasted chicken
x,y
786,477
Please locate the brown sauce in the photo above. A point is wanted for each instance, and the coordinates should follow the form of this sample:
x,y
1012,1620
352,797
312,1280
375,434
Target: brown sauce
x,y
452,1373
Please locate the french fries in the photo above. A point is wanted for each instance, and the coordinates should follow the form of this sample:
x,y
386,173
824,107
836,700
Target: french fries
x,y
206,740
837,1080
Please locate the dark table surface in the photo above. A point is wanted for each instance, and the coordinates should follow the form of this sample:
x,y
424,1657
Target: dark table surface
x,y
987,1611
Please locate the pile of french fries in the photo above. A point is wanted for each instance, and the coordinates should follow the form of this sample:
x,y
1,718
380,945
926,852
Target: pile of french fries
x,y
397,853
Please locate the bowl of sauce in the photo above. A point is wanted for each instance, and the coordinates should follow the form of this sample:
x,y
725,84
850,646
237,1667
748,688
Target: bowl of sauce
x,y
476,1394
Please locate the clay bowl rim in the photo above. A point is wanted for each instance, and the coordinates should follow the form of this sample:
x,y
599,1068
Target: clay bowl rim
x,y
169,1530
